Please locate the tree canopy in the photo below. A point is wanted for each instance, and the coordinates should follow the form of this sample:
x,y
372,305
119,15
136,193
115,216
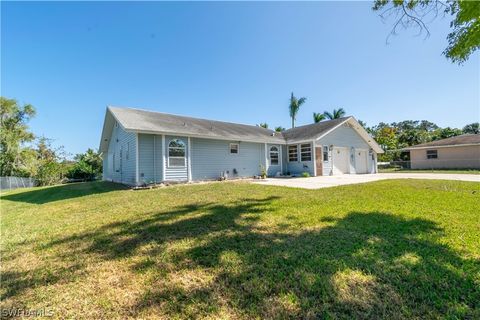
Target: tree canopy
x,y
336,114
317,117
294,106
464,38
14,133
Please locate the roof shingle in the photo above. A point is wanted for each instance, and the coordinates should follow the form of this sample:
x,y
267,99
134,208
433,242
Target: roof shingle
x,y
453,141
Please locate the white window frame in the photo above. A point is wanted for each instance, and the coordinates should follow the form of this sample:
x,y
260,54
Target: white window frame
x,y
230,148
323,153
176,157
431,150
302,153
296,153
278,155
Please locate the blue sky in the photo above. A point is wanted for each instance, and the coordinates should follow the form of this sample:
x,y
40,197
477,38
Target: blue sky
x,y
226,61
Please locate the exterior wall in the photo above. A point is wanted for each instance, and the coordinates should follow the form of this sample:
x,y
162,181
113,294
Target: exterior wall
x,y
298,167
149,158
120,160
176,173
467,157
344,136
211,157
273,169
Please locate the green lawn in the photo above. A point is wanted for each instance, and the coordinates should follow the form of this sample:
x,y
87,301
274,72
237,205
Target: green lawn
x,y
465,171
390,249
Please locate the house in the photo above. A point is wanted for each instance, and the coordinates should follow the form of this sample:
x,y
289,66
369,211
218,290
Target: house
x,y
460,152
143,147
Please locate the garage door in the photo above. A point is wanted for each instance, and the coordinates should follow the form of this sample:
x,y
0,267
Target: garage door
x,y
340,160
361,161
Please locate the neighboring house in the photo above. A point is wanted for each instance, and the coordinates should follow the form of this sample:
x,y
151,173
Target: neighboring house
x,y
460,152
142,147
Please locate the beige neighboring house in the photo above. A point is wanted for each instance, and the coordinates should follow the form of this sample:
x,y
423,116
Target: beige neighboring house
x,y
460,152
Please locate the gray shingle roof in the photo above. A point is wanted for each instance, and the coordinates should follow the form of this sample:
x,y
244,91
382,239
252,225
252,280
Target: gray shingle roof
x,y
311,131
149,121
453,141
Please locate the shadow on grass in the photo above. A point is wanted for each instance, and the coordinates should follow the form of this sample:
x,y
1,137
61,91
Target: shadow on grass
x,y
363,265
63,192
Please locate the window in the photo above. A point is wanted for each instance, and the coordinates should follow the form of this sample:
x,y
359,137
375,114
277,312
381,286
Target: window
x,y
325,153
234,148
306,152
293,153
176,153
273,156
432,154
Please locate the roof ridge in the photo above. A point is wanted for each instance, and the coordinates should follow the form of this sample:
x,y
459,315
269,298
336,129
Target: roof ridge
x,y
190,117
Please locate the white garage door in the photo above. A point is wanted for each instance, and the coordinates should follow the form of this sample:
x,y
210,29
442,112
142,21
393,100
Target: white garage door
x,y
340,160
361,161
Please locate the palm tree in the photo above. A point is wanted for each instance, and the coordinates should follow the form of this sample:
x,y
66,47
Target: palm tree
x,y
335,114
279,129
317,117
294,107
263,125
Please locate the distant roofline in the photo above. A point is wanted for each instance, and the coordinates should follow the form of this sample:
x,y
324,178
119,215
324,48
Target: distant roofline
x,y
434,144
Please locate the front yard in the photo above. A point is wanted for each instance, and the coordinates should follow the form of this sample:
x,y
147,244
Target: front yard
x,y
389,249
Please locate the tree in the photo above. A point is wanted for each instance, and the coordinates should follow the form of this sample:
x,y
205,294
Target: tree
x,y
386,138
464,38
51,164
472,128
294,106
279,129
317,117
14,133
446,133
88,166
336,114
263,125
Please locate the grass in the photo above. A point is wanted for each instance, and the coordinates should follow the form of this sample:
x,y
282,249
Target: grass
x,y
397,249
463,171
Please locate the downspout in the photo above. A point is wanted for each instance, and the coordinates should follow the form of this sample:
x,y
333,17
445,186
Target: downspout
x,y
189,158
331,162
136,159
163,158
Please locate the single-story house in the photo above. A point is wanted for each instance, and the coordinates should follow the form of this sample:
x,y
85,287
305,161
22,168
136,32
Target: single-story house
x,y
460,152
142,147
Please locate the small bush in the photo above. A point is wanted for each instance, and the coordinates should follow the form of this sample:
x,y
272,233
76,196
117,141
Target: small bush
x,y
305,174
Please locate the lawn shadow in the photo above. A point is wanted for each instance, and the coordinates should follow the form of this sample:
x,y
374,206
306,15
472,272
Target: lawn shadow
x,y
365,265
362,265
63,192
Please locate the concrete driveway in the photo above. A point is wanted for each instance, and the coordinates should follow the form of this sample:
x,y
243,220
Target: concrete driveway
x,y
333,181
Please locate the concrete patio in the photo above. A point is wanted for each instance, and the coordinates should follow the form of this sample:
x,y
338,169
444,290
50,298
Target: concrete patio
x,y
333,181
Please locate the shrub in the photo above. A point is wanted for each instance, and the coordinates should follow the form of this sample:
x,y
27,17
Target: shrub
x,y
305,174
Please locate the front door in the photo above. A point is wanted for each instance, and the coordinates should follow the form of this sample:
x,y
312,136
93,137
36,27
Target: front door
x,y
319,160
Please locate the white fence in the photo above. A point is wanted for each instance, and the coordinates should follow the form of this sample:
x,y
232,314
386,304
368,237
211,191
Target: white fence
x,y
10,183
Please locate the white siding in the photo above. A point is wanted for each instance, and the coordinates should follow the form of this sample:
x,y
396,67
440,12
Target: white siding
x,y
298,167
176,173
120,158
211,157
344,136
